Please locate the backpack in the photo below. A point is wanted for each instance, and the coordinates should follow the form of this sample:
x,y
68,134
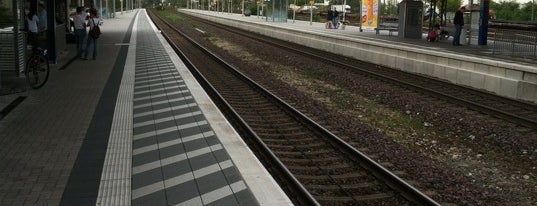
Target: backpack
x,y
95,32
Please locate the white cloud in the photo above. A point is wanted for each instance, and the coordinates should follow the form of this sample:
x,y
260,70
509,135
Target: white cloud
x,y
465,2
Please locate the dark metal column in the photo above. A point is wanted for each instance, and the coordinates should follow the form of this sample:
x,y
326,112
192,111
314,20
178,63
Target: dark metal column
x,y
483,22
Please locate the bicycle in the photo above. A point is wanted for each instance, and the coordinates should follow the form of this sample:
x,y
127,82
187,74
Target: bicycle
x,y
37,68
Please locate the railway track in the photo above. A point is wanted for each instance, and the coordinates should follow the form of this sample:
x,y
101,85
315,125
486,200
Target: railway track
x,y
515,111
332,172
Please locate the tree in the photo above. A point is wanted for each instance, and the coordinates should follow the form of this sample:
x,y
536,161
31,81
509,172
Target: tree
x,y
453,5
525,12
506,10
6,16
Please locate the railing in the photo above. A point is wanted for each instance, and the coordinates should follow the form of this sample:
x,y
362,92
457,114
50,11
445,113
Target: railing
x,y
7,59
12,50
515,43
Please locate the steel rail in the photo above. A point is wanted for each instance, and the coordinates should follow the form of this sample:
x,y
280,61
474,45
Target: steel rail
x,y
512,117
300,193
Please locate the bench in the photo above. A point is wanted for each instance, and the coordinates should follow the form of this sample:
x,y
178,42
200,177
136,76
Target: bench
x,y
390,29
388,26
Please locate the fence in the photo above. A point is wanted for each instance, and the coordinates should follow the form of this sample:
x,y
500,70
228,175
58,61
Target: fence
x,y
515,43
12,50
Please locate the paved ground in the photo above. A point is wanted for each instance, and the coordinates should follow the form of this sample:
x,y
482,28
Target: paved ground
x,y
42,136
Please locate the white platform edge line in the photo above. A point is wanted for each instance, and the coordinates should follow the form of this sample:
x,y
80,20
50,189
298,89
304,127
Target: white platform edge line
x,y
115,185
260,182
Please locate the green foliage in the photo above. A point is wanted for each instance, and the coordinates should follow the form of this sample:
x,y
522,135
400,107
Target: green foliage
x,y
512,10
505,10
171,16
6,16
312,74
389,9
316,17
253,10
453,5
525,14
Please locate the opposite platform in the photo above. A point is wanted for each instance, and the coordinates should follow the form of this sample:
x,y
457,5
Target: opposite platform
x,y
467,65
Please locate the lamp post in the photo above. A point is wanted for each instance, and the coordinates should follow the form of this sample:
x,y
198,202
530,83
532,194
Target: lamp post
x,y
344,10
361,15
294,12
532,11
311,11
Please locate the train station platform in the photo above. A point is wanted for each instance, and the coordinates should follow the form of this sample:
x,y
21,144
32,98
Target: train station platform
x,y
468,65
130,128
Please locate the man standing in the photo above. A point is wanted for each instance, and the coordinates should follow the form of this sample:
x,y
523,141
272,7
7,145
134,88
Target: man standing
x,y
80,30
42,15
458,21
335,18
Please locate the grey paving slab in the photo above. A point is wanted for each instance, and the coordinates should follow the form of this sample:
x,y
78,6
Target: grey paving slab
x,y
232,174
168,138
171,151
155,199
173,170
204,159
146,178
197,144
177,101
163,114
147,157
186,191
164,125
143,129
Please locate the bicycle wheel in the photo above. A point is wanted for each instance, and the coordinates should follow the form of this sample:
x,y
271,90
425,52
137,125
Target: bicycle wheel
x,y
37,71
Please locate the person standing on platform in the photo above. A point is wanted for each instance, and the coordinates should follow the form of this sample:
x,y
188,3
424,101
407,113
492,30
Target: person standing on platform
x,y
458,21
80,30
42,15
335,18
91,42
32,21
329,17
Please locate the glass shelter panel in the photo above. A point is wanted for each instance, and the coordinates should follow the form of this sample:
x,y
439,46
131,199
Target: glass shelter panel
x,y
12,41
277,10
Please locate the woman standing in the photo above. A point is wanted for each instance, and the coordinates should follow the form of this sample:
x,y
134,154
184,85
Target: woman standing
x,y
32,28
92,22
329,17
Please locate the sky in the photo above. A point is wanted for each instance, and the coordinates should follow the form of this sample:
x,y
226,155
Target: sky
x,y
497,1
